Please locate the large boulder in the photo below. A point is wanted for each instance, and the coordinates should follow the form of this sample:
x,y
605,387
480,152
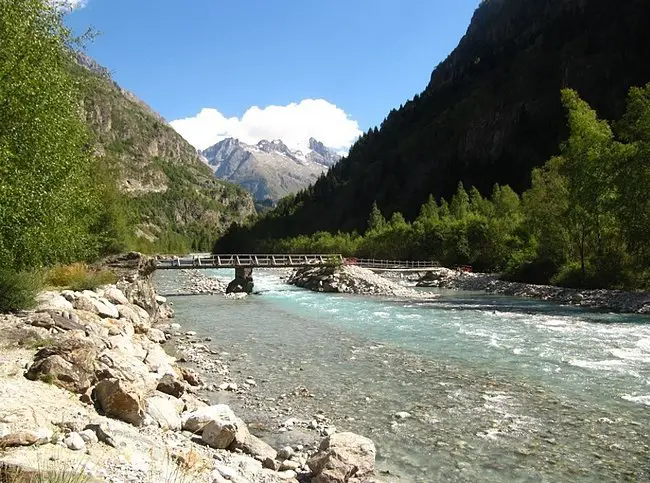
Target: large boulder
x,y
157,360
56,370
191,376
342,456
169,384
253,446
165,411
195,421
115,296
95,304
120,400
220,433
52,301
141,293
49,320
240,285
137,316
69,363
156,335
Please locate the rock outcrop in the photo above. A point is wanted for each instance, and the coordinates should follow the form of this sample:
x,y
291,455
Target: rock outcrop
x,y
348,279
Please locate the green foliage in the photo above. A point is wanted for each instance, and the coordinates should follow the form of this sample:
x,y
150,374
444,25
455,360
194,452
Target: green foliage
x,y
18,290
632,173
47,203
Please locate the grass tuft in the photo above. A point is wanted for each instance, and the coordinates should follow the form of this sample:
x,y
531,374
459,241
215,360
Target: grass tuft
x,y
78,277
18,290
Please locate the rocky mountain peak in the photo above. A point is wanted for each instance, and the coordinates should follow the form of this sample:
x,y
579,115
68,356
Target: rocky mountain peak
x,y
269,169
275,146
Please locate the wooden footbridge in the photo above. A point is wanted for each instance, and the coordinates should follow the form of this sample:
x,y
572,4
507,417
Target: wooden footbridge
x,y
247,261
244,264
288,261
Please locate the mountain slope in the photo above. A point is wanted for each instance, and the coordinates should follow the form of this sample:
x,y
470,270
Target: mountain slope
x,y
172,198
490,113
269,169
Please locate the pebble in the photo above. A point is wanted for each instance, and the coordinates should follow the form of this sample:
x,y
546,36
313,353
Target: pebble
x,y
89,436
74,442
286,452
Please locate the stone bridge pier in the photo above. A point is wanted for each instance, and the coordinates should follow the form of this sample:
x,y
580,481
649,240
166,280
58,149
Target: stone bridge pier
x,y
243,281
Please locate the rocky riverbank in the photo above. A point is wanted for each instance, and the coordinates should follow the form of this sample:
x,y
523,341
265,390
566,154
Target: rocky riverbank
x,y
349,279
87,388
614,300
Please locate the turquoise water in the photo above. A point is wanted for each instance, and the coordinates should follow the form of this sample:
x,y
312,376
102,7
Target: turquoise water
x,y
498,388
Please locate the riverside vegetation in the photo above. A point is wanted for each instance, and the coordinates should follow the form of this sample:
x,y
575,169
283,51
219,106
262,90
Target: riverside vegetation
x,y
86,169
584,222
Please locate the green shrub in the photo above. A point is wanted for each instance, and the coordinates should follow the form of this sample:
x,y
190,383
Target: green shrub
x,y
78,276
18,290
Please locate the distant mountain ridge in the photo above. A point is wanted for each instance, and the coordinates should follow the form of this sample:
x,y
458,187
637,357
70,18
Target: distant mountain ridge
x,y
269,170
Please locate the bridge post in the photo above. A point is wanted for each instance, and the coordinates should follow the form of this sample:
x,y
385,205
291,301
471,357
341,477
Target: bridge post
x,y
243,281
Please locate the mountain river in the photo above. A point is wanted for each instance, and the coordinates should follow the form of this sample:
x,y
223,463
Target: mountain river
x,y
496,388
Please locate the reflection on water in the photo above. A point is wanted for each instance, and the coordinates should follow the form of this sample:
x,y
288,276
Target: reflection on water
x,y
498,388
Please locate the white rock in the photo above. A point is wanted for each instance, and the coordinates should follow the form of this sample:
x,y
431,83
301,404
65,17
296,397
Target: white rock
x,y
402,415
129,314
286,475
74,442
52,301
165,412
89,436
144,315
115,296
157,336
106,309
195,421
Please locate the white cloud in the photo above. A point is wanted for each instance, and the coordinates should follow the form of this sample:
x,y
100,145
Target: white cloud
x,y
294,124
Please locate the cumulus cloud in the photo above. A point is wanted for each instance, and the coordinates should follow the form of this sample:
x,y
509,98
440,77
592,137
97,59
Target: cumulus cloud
x,y
294,124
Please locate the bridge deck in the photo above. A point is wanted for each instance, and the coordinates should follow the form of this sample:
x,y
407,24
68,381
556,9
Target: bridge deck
x,y
397,265
252,261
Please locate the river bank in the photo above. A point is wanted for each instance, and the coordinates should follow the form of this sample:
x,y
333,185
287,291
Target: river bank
x,y
87,388
614,300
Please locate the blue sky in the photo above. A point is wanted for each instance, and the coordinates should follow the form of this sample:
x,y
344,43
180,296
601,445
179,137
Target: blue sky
x,y
210,61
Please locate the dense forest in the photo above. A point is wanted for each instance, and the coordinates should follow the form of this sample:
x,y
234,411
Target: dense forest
x,y
490,113
584,222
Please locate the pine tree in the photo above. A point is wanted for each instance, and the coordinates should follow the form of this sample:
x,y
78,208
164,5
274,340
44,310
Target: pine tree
x,y
376,221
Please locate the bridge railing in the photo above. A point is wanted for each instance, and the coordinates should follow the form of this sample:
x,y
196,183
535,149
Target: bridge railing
x,y
391,264
246,260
